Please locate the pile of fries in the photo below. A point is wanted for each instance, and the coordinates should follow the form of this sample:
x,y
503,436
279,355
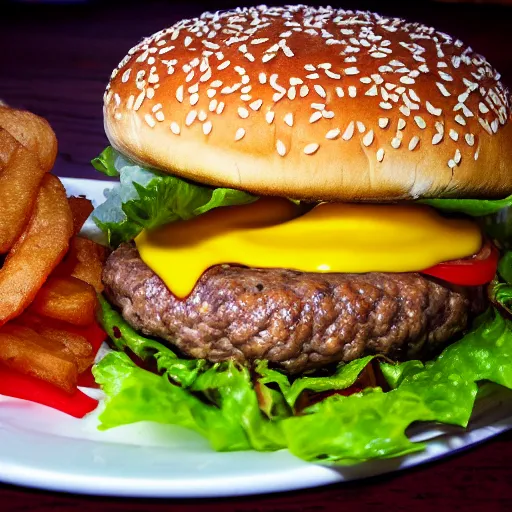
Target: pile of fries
x,y
49,276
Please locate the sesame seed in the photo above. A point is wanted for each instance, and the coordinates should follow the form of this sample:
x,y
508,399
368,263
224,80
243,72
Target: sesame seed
x,y
451,164
483,108
470,139
175,128
191,116
407,80
453,135
160,116
320,90
380,155
383,122
312,148
327,114
339,92
239,134
269,117
413,95
401,124
194,98
352,71
463,97
304,90
414,143
372,91
202,115
361,128
207,127
243,112
126,75
179,93
368,138
224,65
280,147
139,100
437,138
420,122
213,105
220,107
256,105
445,76
313,76
332,134
385,105
149,120
331,74
458,157
396,142
433,110
460,120
288,119
406,111
349,131
315,116
443,89
352,91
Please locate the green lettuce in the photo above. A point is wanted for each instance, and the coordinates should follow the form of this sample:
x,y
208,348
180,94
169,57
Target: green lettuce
x,y
146,198
241,408
472,207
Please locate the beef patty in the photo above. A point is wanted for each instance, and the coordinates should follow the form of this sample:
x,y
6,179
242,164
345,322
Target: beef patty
x,y
297,321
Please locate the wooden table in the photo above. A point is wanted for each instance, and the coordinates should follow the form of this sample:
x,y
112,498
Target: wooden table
x,y
56,60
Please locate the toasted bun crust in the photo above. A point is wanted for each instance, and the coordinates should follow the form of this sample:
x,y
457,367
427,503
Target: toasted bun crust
x,y
314,103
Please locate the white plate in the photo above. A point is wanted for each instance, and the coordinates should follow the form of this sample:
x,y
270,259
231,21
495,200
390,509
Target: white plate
x,y
40,447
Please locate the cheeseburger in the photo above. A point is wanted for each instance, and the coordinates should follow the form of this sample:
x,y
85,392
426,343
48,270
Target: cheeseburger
x,y
306,227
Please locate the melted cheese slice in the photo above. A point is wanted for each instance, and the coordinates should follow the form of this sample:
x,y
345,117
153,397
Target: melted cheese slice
x,y
331,237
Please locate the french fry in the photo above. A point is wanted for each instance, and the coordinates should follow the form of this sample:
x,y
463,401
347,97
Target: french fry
x,y
81,208
76,345
38,250
24,350
68,299
84,261
20,176
33,132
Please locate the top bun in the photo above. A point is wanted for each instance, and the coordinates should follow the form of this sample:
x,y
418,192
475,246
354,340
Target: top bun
x,y
314,103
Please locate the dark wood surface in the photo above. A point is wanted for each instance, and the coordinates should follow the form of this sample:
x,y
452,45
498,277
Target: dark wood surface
x,y
56,60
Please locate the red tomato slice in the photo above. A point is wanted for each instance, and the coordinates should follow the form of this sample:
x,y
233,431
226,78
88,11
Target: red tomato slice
x,y
478,270
17,385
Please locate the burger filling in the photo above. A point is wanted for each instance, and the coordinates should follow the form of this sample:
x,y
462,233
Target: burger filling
x,y
257,320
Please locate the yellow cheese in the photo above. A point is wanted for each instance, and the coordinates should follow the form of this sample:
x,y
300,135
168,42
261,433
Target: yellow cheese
x,y
332,237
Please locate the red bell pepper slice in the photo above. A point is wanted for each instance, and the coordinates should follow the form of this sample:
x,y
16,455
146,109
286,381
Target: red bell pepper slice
x,y
17,385
478,270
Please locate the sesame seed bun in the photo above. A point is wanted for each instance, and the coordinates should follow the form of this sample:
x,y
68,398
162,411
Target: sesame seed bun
x,y
314,103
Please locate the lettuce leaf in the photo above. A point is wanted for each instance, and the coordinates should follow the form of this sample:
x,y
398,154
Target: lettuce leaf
x,y
146,198
472,207
239,409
